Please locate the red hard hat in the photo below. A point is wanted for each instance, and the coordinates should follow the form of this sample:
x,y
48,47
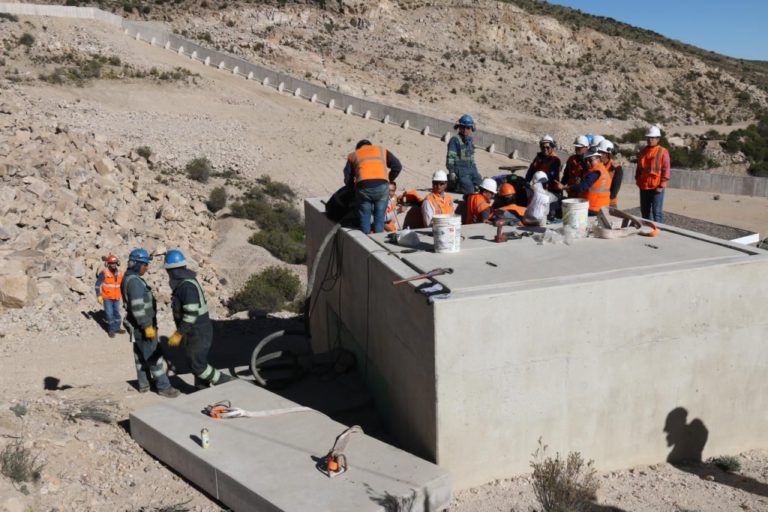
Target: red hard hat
x,y
112,259
506,189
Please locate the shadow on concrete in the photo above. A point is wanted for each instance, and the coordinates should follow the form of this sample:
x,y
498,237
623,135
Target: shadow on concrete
x,y
687,441
53,384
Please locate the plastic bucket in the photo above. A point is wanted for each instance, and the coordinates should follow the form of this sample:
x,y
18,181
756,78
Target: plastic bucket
x,y
446,230
575,215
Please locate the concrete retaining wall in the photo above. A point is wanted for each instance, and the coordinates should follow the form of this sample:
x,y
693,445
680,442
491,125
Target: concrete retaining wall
x,y
142,31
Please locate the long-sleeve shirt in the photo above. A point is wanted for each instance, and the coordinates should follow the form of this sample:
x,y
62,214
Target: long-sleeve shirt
x,y
461,155
139,301
666,169
586,182
549,164
393,164
618,175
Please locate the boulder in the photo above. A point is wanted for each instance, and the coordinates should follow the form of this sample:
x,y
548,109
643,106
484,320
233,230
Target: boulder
x,y
17,290
37,187
104,166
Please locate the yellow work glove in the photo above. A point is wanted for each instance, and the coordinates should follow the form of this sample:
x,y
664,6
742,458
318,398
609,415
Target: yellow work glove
x,y
150,332
100,299
175,339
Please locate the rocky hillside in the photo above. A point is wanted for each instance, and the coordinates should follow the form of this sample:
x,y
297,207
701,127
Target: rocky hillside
x,y
493,58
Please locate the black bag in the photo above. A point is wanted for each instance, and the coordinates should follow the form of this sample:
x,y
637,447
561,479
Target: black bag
x,y
340,207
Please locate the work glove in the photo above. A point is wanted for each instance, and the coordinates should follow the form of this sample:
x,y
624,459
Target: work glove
x,y
100,299
175,339
150,332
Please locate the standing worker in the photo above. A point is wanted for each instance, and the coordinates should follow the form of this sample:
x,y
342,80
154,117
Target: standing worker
x,y
595,187
108,294
366,171
193,325
616,172
478,207
548,162
460,160
141,317
652,175
437,202
575,166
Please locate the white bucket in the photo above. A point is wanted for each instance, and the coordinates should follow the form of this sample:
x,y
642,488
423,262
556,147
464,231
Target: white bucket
x,y
575,215
446,230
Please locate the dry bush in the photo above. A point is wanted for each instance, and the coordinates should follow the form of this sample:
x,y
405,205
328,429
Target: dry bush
x,y
18,463
563,485
99,411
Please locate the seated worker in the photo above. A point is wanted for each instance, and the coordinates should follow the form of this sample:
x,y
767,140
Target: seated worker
x,y
596,184
548,162
614,168
539,206
575,166
437,202
390,215
504,206
478,208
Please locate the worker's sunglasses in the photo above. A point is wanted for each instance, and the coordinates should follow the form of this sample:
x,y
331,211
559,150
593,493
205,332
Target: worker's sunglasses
x,y
545,146
439,183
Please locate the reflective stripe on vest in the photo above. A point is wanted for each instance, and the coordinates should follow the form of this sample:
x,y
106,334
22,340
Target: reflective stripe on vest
x,y
110,288
369,163
649,167
477,205
599,194
441,205
141,308
191,312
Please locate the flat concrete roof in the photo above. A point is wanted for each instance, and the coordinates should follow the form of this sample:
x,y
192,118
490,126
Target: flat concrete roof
x,y
484,266
269,463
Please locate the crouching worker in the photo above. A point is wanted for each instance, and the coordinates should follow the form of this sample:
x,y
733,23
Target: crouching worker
x,y
437,202
193,325
505,206
141,320
478,207
539,204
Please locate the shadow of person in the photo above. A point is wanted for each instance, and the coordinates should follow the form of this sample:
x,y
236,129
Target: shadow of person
x,y
52,384
687,441
99,317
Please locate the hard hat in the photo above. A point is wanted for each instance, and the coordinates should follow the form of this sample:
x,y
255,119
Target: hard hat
x,y
489,185
440,175
589,137
540,177
139,256
465,121
592,152
605,146
112,260
653,131
581,141
596,140
506,189
547,139
174,259
361,143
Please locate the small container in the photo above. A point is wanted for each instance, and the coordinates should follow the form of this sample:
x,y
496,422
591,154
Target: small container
x,y
205,440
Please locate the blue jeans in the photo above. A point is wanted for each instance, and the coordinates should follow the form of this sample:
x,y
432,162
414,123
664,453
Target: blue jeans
x,y
469,180
112,312
372,201
652,205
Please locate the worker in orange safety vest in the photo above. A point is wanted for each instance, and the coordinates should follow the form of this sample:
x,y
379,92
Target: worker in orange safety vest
x,y
595,187
108,294
652,174
505,206
437,202
478,207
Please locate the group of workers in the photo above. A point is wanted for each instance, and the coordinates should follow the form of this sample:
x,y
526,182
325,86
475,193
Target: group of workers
x,y
194,330
591,173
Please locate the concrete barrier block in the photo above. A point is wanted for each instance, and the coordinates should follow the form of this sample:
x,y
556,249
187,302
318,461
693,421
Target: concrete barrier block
x,y
194,55
280,86
265,81
235,70
406,124
138,36
386,119
425,131
153,41
167,44
446,137
181,50
515,154
491,148
331,103
367,114
297,92
348,110
250,76
207,61
222,65
313,99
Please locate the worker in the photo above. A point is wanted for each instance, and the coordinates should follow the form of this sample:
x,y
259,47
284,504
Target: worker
x,y
108,294
596,184
505,205
548,162
193,324
478,207
437,202
539,206
652,175
141,318
607,152
366,172
390,216
575,166
595,142
460,160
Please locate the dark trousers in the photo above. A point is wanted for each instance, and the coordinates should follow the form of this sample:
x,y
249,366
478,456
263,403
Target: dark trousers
x,y
197,344
149,360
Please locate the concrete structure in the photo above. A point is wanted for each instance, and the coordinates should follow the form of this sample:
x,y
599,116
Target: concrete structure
x,y
268,464
495,143
591,347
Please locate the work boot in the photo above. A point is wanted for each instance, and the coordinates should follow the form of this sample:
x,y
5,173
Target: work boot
x,y
201,383
223,377
143,389
121,331
169,392
111,335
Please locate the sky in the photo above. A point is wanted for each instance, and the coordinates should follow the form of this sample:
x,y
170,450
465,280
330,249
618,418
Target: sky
x,y
737,28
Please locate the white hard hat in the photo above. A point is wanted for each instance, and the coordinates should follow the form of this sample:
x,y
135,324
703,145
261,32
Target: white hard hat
x,y
592,152
581,141
489,185
605,146
653,131
440,175
596,140
540,177
547,139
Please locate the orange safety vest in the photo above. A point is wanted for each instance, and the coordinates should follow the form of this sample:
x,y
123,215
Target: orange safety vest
x,y
576,168
110,288
392,224
369,163
599,194
648,176
513,208
410,197
441,205
476,205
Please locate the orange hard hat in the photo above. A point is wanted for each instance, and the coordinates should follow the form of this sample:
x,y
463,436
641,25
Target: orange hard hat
x,y
506,189
112,259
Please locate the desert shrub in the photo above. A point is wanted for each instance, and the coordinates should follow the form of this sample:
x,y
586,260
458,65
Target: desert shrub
x,y
690,158
98,411
404,89
285,246
18,463
27,39
276,189
728,463
563,485
269,290
8,16
144,151
199,169
759,169
217,199
269,216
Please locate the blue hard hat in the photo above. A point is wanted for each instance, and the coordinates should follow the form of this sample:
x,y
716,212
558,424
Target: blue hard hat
x,y
589,138
139,256
174,259
465,121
